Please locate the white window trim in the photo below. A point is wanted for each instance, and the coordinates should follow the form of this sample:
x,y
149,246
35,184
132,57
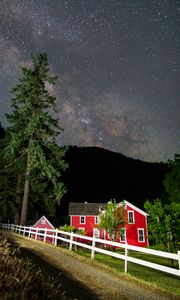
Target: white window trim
x,y
132,211
84,220
96,220
139,235
124,235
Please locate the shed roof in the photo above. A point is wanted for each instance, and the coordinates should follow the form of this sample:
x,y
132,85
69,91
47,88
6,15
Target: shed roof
x,y
46,220
86,208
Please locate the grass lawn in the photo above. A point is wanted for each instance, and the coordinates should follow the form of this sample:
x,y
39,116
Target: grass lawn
x,y
156,278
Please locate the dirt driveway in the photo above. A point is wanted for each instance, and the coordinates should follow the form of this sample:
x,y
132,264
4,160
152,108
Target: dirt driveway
x,y
81,279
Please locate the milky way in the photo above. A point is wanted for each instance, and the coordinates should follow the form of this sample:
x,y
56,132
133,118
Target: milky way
x,y
118,64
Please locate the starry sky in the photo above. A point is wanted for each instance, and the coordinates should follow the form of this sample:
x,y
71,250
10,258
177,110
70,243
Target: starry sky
x,y
118,67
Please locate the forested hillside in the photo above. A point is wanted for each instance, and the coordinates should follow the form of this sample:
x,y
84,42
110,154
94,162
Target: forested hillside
x,y
97,175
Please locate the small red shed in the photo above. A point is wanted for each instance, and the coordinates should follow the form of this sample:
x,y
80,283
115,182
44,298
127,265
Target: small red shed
x,y
86,216
44,223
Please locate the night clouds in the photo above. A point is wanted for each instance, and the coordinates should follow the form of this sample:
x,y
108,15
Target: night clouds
x,y
118,64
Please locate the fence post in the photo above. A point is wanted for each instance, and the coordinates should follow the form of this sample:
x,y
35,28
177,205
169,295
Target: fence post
x,y
126,260
24,230
29,235
71,240
45,232
55,239
19,229
93,246
36,233
179,259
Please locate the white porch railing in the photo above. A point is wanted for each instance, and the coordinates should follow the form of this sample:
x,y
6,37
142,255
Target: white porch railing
x,y
94,245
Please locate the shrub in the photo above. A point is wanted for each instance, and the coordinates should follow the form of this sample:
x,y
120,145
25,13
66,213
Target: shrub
x,y
81,231
68,228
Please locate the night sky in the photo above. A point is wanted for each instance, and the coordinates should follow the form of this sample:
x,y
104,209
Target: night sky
x,y
118,63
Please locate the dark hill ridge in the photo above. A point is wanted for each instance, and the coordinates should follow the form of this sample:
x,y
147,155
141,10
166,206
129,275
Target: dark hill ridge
x,y
98,175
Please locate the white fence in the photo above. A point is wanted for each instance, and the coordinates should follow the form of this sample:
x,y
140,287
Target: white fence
x,y
95,245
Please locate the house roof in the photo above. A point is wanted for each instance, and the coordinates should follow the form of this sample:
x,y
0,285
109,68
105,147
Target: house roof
x,y
43,217
133,207
86,208
95,208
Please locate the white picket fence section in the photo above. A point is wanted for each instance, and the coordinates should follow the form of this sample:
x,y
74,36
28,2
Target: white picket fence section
x,y
95,245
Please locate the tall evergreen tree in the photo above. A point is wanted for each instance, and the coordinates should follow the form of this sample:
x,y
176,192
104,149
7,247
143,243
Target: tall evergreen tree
x,y
8,178
33,131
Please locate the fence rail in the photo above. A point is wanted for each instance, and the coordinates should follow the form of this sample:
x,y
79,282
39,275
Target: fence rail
x,y
95,245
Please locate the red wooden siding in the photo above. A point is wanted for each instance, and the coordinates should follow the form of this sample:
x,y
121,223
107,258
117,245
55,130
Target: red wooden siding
x,y
132,230
88,226
44,223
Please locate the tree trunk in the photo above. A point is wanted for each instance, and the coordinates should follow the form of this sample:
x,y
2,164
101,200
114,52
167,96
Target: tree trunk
x,y
24,209
16,217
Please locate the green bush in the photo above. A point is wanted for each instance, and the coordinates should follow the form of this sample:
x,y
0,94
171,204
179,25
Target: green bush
x,y
159,247
80,231
67,228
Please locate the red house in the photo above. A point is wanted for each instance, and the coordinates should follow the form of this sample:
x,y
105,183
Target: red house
x,y
43,222
86,216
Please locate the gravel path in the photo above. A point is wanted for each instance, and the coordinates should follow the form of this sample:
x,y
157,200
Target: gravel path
x,y
82,280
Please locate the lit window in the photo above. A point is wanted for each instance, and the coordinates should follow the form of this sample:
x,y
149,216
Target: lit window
x,y
131,217
123,235
82,220
96,219
140,234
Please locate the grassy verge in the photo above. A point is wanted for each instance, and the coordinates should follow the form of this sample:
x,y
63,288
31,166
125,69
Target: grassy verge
x,y
156,278
19,279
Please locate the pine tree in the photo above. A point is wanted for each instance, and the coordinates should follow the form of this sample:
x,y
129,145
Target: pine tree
x,y
33,131
9,187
